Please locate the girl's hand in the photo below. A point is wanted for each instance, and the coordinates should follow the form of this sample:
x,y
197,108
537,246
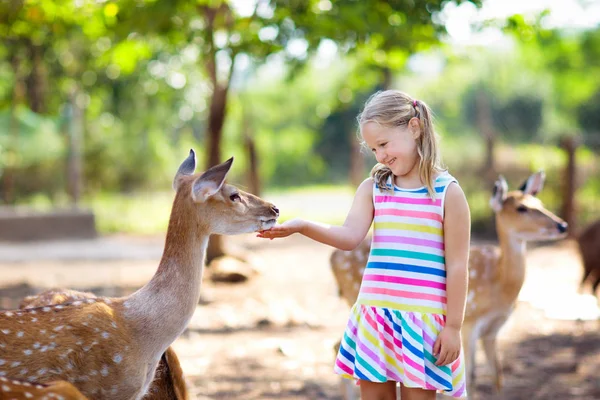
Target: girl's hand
x,y
447,346
283,230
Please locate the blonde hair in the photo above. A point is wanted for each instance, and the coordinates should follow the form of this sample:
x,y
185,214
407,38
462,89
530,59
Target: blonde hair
x,y
391,108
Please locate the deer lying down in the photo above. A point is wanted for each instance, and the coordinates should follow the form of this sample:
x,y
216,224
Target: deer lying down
x,y
169,382
496,273
23,390
109,348
589,248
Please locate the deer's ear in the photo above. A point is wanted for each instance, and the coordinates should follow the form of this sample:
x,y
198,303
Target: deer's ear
x,y
187,167
499,194
210,182
534,184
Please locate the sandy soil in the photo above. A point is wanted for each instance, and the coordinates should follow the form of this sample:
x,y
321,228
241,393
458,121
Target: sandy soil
x,y
273,337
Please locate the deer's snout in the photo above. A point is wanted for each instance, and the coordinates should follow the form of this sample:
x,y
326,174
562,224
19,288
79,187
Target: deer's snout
x,y
562,227
275,210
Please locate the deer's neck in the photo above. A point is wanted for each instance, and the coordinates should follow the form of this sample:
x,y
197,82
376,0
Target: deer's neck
x,y
161,310
512,264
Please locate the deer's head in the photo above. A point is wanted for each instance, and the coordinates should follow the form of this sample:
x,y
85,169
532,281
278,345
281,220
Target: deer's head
x,y
522,215
221,208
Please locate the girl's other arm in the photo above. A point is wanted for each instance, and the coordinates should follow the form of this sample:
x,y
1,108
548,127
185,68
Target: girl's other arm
x,y
457,238
345,237
457,233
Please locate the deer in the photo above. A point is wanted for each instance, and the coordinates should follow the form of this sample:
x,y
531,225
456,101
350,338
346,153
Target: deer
x,y
496,272
588,244
109,348
169,381
11,389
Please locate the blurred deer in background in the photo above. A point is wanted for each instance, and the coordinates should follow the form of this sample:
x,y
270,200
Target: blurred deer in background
x,y
589,249
169,381
496,273
109,348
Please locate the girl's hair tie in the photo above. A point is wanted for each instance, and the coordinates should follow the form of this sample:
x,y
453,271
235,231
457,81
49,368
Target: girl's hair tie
x,y
415,103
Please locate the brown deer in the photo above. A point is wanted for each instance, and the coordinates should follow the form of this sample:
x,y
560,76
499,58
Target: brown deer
x,y
588,243
11,389
496,273
109,348
169,381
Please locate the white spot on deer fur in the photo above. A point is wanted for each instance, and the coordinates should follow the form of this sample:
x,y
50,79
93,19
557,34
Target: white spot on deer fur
x,y
46,309
23,371
27,352
104,370
58,328
28,395
2,362
42,371
43,331
93,372
9,314
118,358
20,334
5,388
59,307
34,319
114,325
5,331
2,373
105,335
15,364
90,301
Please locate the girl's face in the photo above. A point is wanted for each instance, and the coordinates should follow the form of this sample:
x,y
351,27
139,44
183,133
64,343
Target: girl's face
x,y
395,147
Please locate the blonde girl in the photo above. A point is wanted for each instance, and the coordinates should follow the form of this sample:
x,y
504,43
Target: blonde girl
x,y
405,326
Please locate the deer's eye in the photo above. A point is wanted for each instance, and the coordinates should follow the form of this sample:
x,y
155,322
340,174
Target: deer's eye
x,y
522,209
235,197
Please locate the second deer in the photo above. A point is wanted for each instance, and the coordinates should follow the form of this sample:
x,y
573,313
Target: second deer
x,y
496,273
169,381
109,348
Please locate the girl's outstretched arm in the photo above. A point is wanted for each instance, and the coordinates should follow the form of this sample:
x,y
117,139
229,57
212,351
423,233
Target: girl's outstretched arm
x,y
457,237
345,237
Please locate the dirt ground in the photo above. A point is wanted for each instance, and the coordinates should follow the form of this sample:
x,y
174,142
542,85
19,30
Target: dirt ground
x,y
273,337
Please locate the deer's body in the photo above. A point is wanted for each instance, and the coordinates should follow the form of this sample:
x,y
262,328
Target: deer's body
x,y
110,348
589,249
169,381
11,389
496,273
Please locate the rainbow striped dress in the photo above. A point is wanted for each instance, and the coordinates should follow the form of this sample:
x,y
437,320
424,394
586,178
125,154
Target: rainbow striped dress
x,y
401,307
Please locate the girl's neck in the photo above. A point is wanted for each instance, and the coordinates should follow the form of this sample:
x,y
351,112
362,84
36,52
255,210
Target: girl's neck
x,y
412,180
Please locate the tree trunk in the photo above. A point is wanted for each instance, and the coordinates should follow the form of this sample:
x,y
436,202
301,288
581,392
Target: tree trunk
x,y
74,123
569,187
486,128
36,82
357,161
216,120
252,177
10,163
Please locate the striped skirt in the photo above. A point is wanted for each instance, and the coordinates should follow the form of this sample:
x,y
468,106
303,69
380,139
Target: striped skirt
x,y
382,344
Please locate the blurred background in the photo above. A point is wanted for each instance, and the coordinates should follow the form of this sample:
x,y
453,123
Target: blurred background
x,y
101,100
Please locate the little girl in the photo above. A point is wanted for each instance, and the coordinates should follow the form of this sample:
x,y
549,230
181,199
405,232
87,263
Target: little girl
x,y
405,325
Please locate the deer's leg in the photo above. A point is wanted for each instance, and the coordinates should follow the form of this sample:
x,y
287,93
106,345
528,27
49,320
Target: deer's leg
x,y
491,353
469,344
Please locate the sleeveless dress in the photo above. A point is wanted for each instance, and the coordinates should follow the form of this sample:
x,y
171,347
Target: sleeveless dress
x,y
401,306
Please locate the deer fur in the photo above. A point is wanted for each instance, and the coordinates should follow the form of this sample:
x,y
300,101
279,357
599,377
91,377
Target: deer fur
x,y
11,389
169,381
109,348
588,243
496,273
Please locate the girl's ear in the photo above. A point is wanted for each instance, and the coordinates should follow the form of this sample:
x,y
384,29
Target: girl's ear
x,y
415,127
